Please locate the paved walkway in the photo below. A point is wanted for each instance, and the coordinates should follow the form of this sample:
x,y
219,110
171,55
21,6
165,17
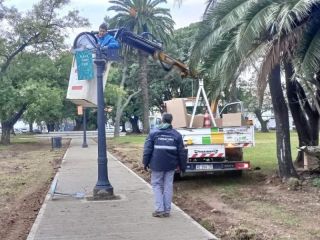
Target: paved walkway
x,y
129,217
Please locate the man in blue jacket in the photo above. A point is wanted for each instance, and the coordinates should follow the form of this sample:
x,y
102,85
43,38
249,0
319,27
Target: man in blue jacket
x,y
105,39
163,153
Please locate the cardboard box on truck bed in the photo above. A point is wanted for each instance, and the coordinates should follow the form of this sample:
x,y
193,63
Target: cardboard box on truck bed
x,y
218,122
197,120
181,119
233,120
178,110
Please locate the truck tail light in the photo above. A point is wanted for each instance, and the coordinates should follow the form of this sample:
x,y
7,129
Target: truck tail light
x,y
242,165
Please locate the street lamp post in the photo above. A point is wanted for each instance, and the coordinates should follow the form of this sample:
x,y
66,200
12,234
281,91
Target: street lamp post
x,y
103,188
84,144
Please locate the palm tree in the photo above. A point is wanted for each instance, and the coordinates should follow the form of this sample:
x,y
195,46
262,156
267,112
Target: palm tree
x,y
144,16
236,33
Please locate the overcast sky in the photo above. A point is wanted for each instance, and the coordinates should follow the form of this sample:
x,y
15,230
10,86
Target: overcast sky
x,y
95,10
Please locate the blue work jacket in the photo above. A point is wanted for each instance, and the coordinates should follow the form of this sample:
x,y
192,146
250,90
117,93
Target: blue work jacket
x,y
164,150
108,41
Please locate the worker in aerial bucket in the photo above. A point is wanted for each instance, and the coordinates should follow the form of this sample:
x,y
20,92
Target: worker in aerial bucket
x,y
105,39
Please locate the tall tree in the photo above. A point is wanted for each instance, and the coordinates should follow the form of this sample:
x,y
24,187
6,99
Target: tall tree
x,y
304,113
50,75
236,33
41,29
280,109
144,16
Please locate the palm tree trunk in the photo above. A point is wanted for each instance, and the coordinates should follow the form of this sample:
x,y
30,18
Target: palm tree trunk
x,y
119,100
286,168
305,118
145,91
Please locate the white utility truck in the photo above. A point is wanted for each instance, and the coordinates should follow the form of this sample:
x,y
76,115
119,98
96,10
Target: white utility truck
x,y
213,144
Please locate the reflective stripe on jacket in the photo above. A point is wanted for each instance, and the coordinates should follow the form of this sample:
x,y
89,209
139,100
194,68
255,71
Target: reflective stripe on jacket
x,y
164,150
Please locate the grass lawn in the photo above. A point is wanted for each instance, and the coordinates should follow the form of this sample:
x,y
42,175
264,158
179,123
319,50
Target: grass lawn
x,y
134,139
264,154
20,139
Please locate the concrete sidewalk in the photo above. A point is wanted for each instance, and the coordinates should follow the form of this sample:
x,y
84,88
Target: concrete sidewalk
x,y
127,218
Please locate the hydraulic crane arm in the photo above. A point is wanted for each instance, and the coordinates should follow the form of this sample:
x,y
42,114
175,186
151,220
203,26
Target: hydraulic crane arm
x,y
164,58
147,43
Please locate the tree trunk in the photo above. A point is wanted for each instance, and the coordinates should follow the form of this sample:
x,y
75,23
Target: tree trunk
x,y
12,131
305,118
123,125
233,92
263,123
50,127
31,127
119,100
286,168
78,126
134,123
7,125
145,91
121,109
5,135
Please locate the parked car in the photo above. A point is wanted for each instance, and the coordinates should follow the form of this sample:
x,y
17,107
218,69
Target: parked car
x,y
24,130
271,124
38,131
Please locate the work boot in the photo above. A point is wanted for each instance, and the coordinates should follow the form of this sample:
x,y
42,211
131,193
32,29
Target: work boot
x,y
158,214
166,214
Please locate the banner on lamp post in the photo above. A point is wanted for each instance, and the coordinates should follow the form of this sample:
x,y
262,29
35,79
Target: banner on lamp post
x,y
84,65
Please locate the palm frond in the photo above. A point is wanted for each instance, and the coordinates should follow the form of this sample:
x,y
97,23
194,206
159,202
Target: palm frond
x,y
308,55
154,3
255,24
227,13
276,50
148,15
210,4
118,9
223,17
294,12
204,42
124,4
